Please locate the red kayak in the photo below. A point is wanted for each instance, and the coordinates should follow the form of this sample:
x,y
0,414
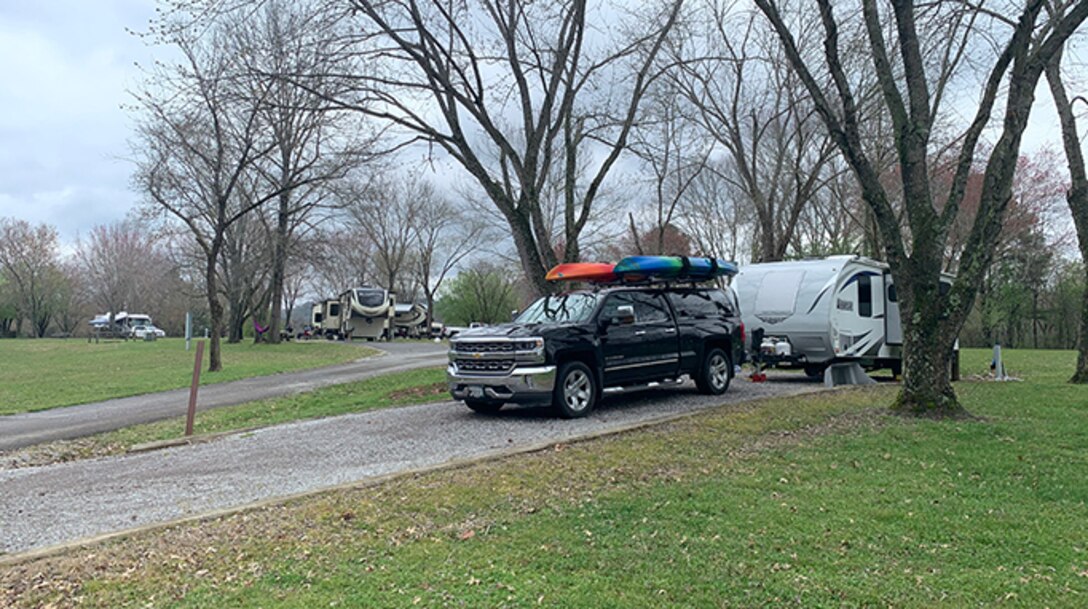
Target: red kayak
x,y
582,271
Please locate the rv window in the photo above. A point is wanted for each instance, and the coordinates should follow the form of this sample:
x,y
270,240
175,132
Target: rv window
x,y
865,296
945,288
893,296
334,310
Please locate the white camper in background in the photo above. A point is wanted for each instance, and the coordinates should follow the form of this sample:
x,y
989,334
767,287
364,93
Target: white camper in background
x,y
816,312
409,319
325,318
367,312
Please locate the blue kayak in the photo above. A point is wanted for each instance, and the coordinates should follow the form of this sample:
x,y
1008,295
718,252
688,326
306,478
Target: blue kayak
x,y
680,267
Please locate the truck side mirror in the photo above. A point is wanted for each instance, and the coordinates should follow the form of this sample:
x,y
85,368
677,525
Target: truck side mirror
x,y
625,315
514,314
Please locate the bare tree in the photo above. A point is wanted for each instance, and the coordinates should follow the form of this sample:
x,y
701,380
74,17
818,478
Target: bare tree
x,y
29,261
442,237
713,216
286,45
506,88
676,152
1077,195
341,258
931,41
748,98
8,310
121,265
385,212
244,272
199,137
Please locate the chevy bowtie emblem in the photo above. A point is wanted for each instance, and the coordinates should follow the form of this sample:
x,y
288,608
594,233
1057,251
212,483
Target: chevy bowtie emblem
x,y
477,355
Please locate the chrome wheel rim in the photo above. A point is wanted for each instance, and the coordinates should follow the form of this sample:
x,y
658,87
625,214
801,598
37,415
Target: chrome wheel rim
x,y
577,391
719,371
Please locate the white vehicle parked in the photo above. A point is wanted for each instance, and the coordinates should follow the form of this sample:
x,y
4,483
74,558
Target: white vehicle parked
x,y
141,330
816,312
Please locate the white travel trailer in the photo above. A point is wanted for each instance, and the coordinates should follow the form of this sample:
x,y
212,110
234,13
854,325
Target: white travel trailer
x,y
367,312
409,319
820,311
325,318
123,322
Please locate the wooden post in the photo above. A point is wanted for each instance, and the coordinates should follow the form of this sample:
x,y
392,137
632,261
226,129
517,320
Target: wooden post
x,y
193,388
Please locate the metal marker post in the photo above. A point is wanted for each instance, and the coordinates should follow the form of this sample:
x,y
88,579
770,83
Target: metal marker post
x,y
998,365
193,388
188,329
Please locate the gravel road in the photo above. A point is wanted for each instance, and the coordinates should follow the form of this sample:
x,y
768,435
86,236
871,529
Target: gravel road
x,y
26,429
44,506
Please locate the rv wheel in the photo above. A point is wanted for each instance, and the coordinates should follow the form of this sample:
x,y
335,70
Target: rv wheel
x,y
483,406
715,373
814,371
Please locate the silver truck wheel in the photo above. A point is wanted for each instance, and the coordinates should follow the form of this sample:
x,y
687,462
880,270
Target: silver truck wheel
x,y
716,372
575,390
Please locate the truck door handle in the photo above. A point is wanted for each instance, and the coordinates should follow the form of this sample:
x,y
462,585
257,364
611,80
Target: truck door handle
x,y
640,332
670,330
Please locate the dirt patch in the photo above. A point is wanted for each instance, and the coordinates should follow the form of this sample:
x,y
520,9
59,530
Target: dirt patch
x,y
57,452
436,390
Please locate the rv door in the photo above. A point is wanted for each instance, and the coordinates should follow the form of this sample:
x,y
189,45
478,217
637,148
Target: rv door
x,y
893,325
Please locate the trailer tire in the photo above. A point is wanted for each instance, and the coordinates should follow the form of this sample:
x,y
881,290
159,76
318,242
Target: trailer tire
x,y
714,373
814,372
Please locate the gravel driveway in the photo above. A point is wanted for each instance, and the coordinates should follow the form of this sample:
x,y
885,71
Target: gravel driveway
x,y
44,506
29,428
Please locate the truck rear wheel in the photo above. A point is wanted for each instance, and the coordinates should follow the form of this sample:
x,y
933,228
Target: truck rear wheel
x,y
484,406
715,372
575,392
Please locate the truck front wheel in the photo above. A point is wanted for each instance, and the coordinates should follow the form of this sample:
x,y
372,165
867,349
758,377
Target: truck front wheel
x,y
575,390
715,373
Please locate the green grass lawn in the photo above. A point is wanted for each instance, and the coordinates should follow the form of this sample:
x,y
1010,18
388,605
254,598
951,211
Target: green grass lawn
x,y
814,501
42,374
387,390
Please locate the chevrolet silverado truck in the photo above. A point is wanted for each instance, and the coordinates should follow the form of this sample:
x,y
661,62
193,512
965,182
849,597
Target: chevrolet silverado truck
x,y
567,349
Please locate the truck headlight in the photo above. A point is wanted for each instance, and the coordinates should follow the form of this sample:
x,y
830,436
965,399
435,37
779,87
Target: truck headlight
x,y
529,344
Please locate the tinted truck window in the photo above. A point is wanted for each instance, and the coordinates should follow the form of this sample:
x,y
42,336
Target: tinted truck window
x,y
700,304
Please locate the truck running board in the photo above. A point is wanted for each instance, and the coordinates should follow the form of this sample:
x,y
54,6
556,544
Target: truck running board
x,y
626,388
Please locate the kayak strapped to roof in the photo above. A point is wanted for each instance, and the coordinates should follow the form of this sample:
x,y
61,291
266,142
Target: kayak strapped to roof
x,y
679,267
643,268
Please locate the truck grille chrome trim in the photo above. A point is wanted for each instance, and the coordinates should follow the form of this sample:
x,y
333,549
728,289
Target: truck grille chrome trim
x,y
485,366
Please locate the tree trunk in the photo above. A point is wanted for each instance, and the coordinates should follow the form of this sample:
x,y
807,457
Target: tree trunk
x,y
1076,196
1081,374
236,324
927,347
215,310
279,264
531,261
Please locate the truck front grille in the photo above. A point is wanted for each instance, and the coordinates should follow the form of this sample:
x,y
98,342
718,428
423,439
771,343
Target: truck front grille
x,y
485,366
484,347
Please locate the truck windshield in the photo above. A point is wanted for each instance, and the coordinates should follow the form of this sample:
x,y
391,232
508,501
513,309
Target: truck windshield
x,y
563,308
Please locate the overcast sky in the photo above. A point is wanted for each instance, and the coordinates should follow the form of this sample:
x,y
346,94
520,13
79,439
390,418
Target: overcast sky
x,y
65,69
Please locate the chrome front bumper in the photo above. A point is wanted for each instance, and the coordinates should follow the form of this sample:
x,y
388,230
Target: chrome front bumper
x,y
522,384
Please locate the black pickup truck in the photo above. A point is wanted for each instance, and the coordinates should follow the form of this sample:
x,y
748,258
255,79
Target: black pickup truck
x,y
567,349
